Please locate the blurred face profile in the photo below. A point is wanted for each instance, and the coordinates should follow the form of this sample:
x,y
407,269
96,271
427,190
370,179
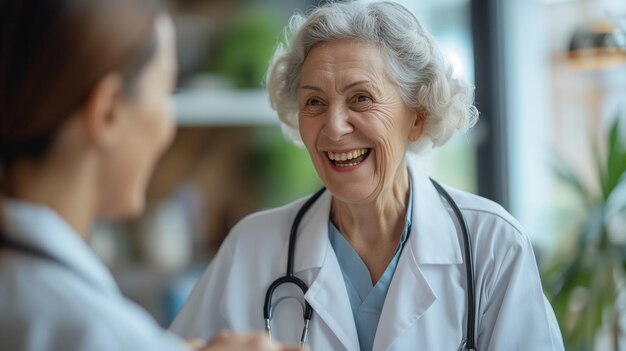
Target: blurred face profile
x,y
352,120
147,129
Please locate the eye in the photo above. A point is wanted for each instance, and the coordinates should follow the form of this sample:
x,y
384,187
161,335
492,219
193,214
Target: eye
x,y
312,106
313,102
363,98
361,101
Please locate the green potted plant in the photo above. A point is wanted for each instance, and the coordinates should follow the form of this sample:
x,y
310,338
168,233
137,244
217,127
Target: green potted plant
x,y
246,49
587,277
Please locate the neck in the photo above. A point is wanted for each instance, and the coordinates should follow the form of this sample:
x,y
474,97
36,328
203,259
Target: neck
x,y
62,185
379,222
373,229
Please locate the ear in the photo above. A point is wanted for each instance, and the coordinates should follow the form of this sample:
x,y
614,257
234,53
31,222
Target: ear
x,y
98,112
417,125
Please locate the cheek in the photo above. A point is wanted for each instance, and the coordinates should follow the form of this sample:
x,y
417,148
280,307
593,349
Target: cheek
x,y
384,130
167,128
152,133
308,132
159,125
390,137
310,129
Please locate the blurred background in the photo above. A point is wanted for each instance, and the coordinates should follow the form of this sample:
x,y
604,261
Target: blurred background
x,y
550,82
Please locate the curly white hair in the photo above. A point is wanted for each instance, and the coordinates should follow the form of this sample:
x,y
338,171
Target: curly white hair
x,y
424,78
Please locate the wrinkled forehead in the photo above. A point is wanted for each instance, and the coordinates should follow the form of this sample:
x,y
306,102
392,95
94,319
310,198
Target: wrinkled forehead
x,y
345,60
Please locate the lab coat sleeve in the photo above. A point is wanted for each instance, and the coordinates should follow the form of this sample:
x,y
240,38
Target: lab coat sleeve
x,y
73,334
96,337
517,316
80,329
200,316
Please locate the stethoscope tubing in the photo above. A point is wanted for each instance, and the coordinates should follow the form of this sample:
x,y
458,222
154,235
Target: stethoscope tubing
x,y
469,265
289,277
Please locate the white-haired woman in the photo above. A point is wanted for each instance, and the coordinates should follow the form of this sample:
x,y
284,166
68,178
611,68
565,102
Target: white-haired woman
x,y
381,255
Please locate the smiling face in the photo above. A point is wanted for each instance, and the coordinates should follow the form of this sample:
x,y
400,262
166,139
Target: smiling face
x,y
353,120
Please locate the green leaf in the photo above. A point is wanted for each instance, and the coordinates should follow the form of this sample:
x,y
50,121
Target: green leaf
x,y
601,171
594,262
616,159
569,177
593,228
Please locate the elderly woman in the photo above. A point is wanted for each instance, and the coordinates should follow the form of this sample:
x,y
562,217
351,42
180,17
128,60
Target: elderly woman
x,y
381,255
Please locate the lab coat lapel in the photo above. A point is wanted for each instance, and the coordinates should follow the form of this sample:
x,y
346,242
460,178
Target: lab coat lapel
x,y
327,292
408,298
329,298
433,240
312,237
434,233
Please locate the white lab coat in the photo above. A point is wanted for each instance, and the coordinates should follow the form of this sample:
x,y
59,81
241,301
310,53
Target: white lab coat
x,y
425,307
69,303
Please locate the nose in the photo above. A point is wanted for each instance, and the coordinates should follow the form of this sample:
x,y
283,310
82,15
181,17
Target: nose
x,y
337,123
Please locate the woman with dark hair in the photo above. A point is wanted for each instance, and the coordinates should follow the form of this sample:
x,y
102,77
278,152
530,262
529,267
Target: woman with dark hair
x,y
84,116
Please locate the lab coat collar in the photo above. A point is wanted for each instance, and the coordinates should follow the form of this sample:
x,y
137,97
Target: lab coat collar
x,y
410,295
312,238
434,238
328,297
40,228
327,293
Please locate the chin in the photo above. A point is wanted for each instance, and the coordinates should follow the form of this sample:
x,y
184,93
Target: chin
x,y
129,209
350,194
134,212
135,208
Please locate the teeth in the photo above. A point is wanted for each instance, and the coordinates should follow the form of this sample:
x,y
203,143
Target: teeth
x,y
348,164
343,156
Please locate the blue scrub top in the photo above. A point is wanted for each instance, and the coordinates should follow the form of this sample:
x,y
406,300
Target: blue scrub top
x,y
367,300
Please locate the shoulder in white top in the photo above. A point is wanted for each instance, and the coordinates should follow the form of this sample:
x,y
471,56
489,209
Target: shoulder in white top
x,y
65,299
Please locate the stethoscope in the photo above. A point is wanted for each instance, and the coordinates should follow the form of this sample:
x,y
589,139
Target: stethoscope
x,y
469,343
